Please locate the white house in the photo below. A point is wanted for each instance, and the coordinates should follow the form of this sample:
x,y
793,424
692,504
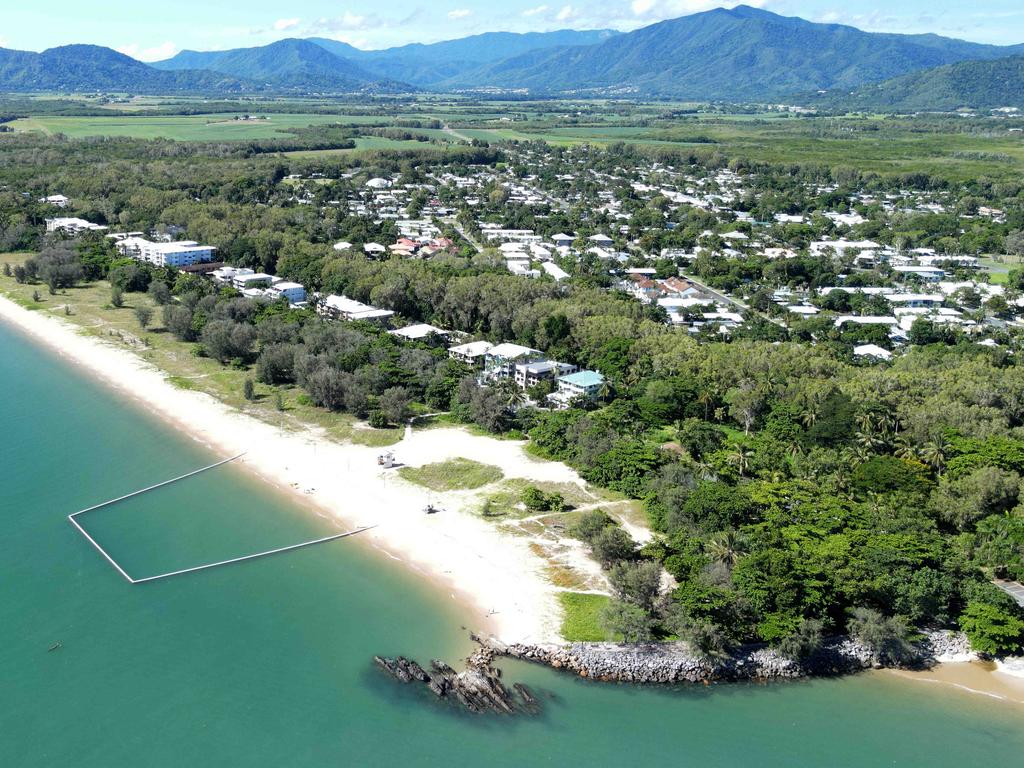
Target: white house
x,y
72,226
585,384
225,275
531,374
418,332
555,271
252,280
500,360
872,350
344,308
295,293
473,352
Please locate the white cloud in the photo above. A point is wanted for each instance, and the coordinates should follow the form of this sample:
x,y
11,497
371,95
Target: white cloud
x,y
347,22
282,24
3,41
535,11
565,14
460,13
155,53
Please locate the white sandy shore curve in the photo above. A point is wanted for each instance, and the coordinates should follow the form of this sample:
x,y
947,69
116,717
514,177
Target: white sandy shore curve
x,y
495,573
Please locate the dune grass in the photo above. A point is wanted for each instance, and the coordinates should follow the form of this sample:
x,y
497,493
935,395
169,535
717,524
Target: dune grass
x,y
452,475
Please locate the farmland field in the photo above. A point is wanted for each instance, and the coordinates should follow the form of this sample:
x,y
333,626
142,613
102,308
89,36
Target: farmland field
x,y
218,127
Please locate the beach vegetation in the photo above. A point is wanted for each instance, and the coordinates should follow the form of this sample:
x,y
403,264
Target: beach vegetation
x,y
452,475
583,617
144,314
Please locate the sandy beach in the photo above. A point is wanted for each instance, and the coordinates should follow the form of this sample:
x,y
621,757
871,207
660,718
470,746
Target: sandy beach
x,y
495,573
979,678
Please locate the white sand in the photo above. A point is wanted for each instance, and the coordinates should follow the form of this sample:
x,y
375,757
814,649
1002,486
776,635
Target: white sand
x,y
498,573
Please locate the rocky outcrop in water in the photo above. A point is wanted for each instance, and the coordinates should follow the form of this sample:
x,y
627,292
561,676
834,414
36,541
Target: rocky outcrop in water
x,y
676,663
478,688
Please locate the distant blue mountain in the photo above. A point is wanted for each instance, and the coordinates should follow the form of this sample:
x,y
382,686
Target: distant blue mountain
x,y
290,63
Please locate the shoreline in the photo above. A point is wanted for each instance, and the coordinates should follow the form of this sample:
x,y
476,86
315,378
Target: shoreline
x,y
493,574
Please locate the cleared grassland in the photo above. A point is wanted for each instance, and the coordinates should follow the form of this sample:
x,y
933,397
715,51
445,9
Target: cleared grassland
x,y
218,127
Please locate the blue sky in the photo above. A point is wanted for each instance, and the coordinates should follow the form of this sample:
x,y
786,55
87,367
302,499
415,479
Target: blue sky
x,y
156,30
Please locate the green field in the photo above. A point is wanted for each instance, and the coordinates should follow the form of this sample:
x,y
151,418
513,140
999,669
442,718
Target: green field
x,y
219,127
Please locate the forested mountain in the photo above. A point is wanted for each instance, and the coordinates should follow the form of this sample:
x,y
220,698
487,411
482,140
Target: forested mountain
x,y
973,84
92,68
288,63
742,53
428,65
292,61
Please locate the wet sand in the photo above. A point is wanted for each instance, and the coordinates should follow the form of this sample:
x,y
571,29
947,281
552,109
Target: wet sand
x,y
980,678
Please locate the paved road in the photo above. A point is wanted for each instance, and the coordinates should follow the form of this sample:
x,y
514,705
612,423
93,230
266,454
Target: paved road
x,y
1013,589
713,293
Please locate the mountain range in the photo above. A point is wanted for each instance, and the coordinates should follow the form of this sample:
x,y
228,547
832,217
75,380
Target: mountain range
x,y
740,54
95,68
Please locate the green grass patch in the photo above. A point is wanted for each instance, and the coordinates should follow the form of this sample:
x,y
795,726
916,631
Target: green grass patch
x,y
182,383
453,475
505,501
377,438
582,621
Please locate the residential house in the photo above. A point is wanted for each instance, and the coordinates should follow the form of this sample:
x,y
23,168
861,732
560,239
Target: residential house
x,y
531,374
500,361
344,308
582,384
472,353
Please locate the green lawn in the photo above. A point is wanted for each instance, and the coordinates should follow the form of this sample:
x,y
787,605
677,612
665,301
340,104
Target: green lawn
x,y
582,621
452,475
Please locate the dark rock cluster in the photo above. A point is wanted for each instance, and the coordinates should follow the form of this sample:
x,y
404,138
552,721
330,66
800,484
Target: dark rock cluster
x,y
478,688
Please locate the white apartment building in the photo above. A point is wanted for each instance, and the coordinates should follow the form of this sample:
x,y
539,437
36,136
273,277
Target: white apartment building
x,y
72,226
294,292
182,253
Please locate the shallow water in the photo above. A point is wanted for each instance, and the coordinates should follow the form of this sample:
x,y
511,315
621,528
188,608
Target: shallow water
x,y
268,662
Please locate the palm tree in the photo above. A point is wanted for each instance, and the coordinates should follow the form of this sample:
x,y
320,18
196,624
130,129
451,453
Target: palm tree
x,y
741,459
934,455
707,399
866,421
809,417
904,449
726,548
514,396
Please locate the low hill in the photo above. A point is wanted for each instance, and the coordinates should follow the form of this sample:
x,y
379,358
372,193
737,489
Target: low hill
x,y
970,84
